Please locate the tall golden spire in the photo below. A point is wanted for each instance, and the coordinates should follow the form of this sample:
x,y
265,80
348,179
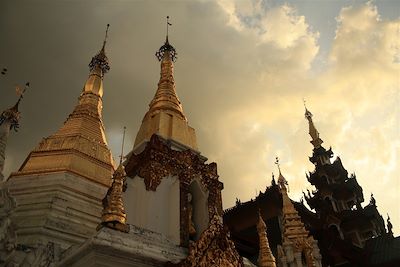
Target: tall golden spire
x,y
80,145
265,256
165,116
316,141
113,214
293,231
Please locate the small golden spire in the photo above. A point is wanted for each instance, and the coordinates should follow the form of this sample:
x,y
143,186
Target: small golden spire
x,y
265,256
316,141
293,229
113,214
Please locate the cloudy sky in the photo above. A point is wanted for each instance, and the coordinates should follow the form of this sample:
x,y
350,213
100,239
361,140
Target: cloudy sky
x,y
243,69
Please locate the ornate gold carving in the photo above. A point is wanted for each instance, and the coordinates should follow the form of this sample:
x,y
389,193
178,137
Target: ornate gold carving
x,y
113,214
158,160
213,249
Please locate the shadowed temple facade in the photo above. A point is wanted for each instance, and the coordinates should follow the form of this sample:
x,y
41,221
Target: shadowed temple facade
x,y
69,204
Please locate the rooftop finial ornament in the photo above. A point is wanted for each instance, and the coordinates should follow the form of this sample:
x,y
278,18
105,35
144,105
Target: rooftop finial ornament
x,y
12,114
308,114
278,164
281,180
100,60
168,24
105,38
167,48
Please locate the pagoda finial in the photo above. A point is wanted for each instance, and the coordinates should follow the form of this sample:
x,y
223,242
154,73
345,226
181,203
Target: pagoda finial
x,y
273,182
282,182
316,141
100,60
12,114
9,120
167,50
105,38
372,201
113,214
168,24
278,164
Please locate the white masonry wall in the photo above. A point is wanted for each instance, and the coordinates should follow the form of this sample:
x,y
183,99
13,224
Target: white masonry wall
x,y
156,211
62,208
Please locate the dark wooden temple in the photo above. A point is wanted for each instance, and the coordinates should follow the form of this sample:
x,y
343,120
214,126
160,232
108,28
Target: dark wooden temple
x,y
348,233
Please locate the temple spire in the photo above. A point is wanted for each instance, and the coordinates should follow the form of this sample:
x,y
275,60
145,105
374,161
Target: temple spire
x,y
113,214
316,141
98,66
166,97
9,120
165,116
82,136
294,233
265,256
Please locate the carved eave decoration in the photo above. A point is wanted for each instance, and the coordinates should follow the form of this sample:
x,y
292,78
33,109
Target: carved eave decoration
x,y
158,160
213,249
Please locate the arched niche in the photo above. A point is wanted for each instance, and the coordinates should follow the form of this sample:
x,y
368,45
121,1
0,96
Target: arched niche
x,y
200,216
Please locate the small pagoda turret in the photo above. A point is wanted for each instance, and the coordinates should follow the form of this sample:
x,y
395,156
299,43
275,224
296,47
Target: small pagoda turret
x,y
299,248
9,120
337,197
265,256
